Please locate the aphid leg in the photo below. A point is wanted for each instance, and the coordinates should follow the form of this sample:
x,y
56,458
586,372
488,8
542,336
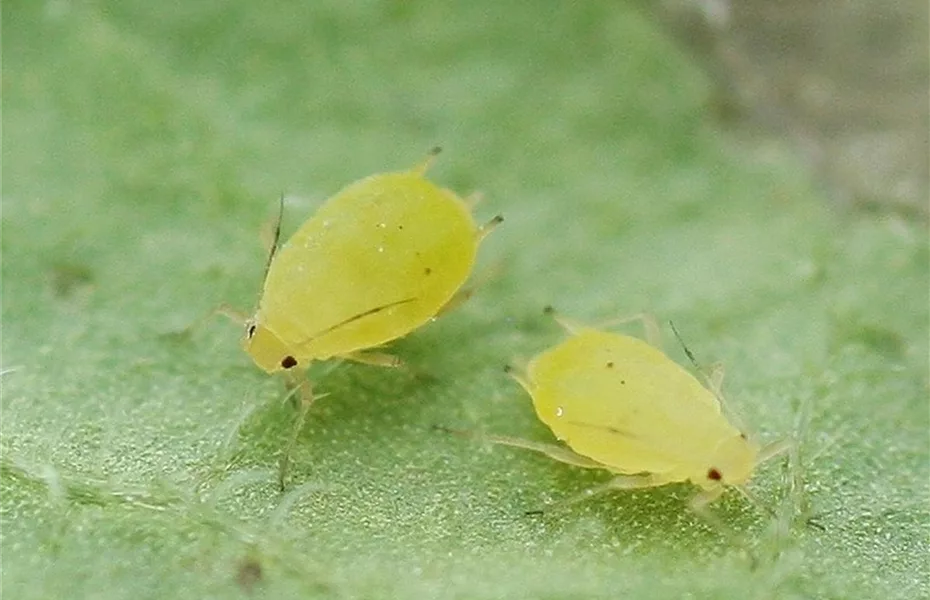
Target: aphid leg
x,y
619,482
473,199
715,378
224,310
490,226
773,449
553,451
763,507
305,394
377,359
700,504
650,325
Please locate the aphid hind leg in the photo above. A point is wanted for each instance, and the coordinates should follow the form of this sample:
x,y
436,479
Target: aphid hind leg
x,y
554,451
377,359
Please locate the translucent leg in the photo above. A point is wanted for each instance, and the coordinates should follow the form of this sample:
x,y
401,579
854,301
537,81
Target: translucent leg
x,y
773,449
619,482
650,326
554,451
224,310
377,359
305,393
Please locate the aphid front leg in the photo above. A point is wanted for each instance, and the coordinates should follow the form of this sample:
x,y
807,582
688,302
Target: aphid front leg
x,y
772,450
224,310
304,392
700,501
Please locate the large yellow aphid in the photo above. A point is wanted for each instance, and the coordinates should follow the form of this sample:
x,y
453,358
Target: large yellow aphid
x,y
620,404
379,259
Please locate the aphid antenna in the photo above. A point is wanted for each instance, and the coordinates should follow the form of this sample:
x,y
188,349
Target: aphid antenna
x,y
274,242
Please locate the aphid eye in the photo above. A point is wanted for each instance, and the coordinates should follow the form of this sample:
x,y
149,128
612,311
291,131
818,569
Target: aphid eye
x,y
714,475
288,362
743,435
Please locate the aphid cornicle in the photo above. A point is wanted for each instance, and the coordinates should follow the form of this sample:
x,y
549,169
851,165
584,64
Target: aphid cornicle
x,y
620,404
379,259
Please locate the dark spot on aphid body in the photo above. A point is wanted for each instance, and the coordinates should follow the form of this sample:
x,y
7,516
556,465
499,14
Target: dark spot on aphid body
x,y
250,330
288,362
400,226
427,271
714,475
623,382
610,364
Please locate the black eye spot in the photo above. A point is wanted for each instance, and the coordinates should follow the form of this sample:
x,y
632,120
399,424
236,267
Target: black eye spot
x,y
427,271
288,362
400,226
623,382
714,475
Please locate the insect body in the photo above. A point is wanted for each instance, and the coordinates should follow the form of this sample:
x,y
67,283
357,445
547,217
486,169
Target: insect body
x,y
378,260
620,404
625,405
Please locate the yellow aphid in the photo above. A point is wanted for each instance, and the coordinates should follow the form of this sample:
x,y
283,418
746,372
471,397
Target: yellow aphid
x,y
379,259
620,404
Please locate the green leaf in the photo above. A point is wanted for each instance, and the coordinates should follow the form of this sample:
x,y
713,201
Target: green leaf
x,y
146,143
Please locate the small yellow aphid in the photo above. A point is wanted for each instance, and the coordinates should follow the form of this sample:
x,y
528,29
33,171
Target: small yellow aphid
x,y
622,405
379,259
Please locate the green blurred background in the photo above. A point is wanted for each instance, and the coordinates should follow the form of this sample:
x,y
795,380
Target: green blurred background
x,y
668,158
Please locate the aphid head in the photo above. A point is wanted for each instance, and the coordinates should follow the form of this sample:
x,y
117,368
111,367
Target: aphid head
x,y
732,464
266,349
